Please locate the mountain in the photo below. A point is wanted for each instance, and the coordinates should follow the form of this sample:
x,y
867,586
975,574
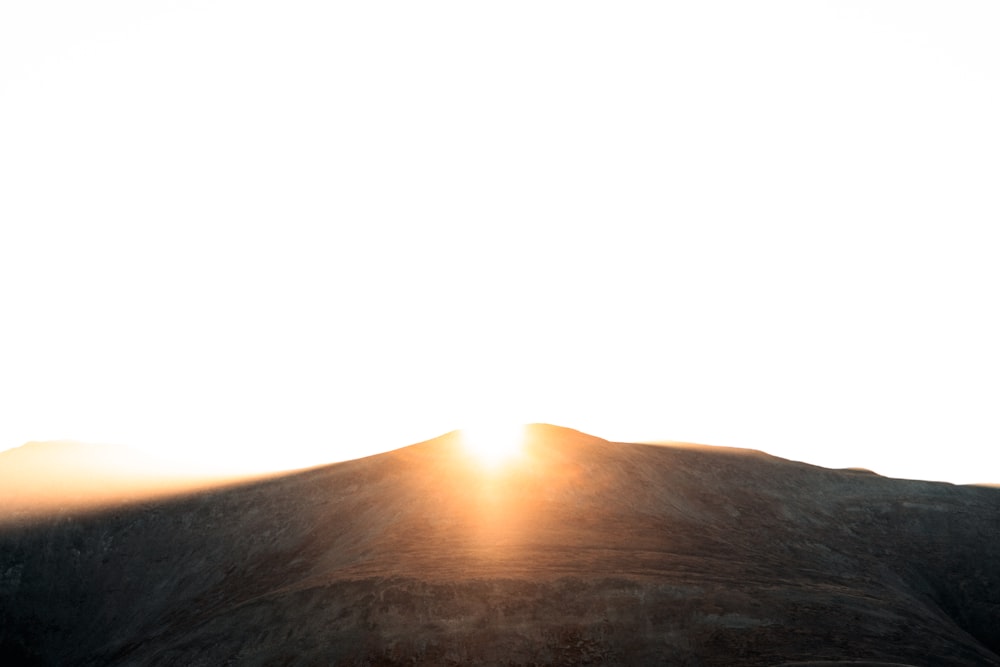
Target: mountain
x,y
582,552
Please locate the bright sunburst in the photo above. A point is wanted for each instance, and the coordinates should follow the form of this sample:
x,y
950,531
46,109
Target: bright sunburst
x,y
493,444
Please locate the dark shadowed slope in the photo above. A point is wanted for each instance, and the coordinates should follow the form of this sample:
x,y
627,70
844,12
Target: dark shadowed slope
x,y
584,552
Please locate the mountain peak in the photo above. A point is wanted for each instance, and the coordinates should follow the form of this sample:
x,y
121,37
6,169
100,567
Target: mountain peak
x,y
551,432
583,551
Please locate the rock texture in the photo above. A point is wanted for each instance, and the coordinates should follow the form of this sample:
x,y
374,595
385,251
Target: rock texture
x,y
582,552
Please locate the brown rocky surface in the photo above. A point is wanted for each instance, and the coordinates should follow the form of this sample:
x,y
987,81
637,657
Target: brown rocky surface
x,y
582,552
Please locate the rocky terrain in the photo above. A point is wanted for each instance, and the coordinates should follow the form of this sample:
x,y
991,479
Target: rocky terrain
x,y
581,552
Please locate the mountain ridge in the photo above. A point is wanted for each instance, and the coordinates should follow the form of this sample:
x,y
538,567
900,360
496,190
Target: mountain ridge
x,y
584,550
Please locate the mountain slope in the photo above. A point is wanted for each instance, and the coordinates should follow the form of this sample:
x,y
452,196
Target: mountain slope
x,y
585,551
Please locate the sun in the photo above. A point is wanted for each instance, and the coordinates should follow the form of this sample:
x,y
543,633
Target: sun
x,y
493,444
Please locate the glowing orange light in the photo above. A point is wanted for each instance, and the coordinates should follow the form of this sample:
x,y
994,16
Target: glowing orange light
x,y
493,444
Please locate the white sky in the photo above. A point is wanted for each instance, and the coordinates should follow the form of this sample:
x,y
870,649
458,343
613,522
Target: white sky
x,y
282,233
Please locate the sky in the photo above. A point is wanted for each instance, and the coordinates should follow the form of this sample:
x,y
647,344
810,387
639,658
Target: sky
x,y
275,234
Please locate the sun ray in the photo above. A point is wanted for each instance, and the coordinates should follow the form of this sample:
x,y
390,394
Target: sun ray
x,y
493,444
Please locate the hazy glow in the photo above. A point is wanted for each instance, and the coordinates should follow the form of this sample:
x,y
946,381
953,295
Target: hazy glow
x,y
494,444
40,478
279,234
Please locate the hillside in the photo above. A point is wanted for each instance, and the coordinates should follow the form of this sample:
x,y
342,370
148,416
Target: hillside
x,y
583,552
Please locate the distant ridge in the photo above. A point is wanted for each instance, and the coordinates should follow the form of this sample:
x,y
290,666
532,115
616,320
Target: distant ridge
x,y
63,475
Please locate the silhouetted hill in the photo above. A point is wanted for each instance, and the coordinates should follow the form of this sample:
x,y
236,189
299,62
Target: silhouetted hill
x,y
584,552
